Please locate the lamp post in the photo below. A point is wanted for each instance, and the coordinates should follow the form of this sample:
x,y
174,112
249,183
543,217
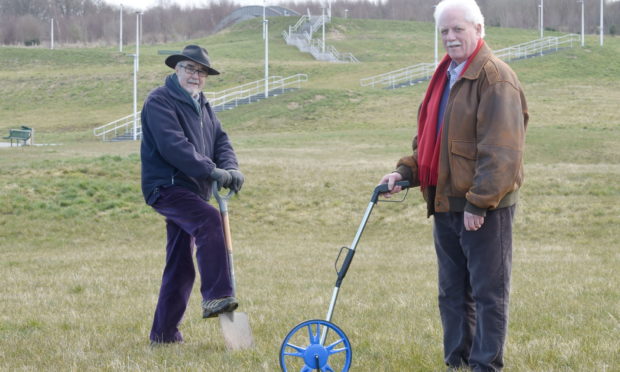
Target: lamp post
x,y
135,96
436,43
583,42
323,20
542,17
136,65
601,28
266,38
120,31
52,33
138,14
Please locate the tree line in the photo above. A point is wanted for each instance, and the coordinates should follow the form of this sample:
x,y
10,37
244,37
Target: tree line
x,y
28,22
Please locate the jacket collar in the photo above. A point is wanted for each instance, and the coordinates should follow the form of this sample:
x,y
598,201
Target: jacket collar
x,y
476,65
180,94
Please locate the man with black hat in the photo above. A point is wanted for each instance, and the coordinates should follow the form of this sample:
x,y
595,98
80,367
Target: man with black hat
x,y
184,149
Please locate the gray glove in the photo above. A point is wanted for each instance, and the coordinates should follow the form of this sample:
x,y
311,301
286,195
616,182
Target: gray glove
x,y
237,180
222,177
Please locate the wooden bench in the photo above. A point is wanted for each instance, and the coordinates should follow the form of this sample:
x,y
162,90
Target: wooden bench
x,y
19,135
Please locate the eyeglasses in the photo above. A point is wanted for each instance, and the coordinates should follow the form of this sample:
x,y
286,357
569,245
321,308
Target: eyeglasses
x,y
191,71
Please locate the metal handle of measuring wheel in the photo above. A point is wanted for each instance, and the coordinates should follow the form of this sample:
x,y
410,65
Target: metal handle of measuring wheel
x,y
345,265
383,188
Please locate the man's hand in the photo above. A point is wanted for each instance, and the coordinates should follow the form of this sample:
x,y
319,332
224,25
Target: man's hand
x,y
391,179
223,178
237,179
472,222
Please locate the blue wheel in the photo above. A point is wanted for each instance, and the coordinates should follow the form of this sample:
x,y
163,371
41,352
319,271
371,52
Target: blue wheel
x,y
303,351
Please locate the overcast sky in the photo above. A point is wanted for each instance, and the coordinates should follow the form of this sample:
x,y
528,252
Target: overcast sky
x,y
144,4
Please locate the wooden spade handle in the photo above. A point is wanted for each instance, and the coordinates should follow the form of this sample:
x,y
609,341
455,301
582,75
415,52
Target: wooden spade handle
x,y
227,235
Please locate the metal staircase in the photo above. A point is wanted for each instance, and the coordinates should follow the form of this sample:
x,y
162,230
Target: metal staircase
x,y
301,36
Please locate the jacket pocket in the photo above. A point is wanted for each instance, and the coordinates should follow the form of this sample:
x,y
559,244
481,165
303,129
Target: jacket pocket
x,y
462,165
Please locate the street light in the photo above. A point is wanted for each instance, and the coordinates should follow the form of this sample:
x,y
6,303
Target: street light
x,y
602,10
542,18
323,19
136,64
436,43
120,31
52,33
436,37
582,23
266,38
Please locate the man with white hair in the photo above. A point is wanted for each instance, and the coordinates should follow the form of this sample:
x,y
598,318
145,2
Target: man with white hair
x,y
468,161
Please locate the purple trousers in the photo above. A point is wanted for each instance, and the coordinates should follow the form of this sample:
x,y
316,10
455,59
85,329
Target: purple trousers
x,y
474,284
190,221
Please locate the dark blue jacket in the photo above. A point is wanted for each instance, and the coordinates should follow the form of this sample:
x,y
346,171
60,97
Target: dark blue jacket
x,y
181,142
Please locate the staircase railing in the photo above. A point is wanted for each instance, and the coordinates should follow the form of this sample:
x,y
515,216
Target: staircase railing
x,y
253,91
330,54
230,98
423,71
120,127
300,35
392,78
536,47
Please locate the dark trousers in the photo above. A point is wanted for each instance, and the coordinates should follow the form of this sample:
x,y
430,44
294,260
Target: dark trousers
x,y
474,284
189,220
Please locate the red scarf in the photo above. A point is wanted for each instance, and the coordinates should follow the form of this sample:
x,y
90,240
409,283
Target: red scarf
x,y
429,142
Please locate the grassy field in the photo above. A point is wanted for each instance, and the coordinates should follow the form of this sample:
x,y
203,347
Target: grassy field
x,y
82,255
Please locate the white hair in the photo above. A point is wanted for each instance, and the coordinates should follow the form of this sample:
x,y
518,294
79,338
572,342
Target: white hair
x,y
470,7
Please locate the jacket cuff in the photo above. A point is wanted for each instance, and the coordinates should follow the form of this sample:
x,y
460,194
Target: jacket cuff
x,y
405,172
469,207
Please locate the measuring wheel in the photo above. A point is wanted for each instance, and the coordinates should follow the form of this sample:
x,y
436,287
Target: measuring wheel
x,y
315,345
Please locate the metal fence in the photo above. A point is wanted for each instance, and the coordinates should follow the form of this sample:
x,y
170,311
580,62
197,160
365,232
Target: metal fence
x,y
254,91
391,79
423,71
537,47
123,128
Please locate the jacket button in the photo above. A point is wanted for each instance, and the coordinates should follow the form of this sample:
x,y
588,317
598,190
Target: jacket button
x,y
438,204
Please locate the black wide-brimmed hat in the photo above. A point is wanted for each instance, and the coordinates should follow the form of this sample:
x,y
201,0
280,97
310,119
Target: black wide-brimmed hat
x,y
192,53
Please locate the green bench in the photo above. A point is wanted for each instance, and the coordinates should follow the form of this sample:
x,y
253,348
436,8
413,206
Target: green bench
x,y
23,135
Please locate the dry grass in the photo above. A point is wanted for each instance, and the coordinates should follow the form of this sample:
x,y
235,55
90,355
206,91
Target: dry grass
x,y
82,255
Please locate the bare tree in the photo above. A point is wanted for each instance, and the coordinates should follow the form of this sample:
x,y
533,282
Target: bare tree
x,y
88,21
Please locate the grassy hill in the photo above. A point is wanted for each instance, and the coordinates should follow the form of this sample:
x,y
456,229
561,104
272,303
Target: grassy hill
x,y
82,254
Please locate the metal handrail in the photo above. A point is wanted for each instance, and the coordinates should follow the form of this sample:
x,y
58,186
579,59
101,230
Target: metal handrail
x,y
299,22
425,70
256,89
231,96
535,47
330,54
216,95
305,43
118,127
392,78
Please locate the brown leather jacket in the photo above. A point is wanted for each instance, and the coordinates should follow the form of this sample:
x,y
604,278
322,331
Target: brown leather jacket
x,y
482,143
